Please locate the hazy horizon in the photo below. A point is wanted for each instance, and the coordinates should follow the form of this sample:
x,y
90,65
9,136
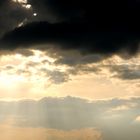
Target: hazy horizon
x,y
70,118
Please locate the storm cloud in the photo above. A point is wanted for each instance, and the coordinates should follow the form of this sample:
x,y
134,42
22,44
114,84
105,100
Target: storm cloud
x,y
103,27
73,36
75,33
11,15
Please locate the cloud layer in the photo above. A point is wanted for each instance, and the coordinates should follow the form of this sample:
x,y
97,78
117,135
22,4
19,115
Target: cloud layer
x,y
82,37
115,118
104,28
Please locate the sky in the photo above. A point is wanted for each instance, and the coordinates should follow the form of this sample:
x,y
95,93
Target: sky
x,y
69,69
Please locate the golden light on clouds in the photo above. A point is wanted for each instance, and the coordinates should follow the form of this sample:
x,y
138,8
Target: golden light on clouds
x,y
35,74
21,1
65,75
137,119
24,4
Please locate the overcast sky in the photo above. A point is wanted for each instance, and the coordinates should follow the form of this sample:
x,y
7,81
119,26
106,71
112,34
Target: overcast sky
x,y
78,54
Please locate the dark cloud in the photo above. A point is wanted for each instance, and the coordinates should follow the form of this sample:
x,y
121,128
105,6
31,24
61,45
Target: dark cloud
x,y
57,10
56,76
101,27
74,59
67,36
126,72
101,13
11,15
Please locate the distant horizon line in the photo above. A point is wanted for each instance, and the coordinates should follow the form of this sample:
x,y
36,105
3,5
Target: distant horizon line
x,y
68,96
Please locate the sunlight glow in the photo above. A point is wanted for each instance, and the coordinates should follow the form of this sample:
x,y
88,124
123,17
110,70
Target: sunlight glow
x,y
35,14
21,1
27,6
137,119
34,74
11,80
